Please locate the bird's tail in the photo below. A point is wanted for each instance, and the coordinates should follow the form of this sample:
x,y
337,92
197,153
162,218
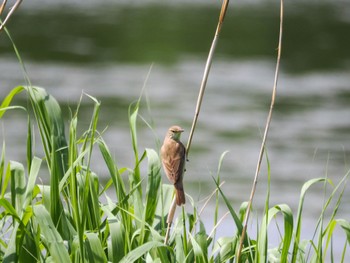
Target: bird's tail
x,y
180,195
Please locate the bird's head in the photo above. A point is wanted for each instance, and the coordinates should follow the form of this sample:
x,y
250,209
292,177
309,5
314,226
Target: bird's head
x,y
174,132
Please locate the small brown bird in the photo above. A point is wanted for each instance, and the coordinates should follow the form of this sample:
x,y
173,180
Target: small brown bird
x,y
173,154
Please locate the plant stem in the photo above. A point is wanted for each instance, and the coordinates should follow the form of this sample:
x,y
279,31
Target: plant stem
x,y
200,97
12,10
263,143
206,73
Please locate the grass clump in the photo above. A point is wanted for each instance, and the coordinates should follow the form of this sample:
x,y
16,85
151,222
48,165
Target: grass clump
x,y
73,219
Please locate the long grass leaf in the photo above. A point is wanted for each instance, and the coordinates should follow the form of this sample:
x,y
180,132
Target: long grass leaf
x,y
51,237
235,217
140,251
288,232
197,250
85,185
133,113
8,209
332,221
113,170
7,101
304,189
29,144
163,206
51,126
346,227
2,167
94,248
118,241
56,206
263,236
18,185
34,171
216,212
93,203
225,248
152,191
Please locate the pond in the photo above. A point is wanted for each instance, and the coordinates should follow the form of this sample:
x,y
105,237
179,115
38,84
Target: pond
x,y
111,50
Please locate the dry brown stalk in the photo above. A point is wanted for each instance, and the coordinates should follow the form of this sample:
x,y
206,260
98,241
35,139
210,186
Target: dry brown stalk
x,y
9,14
206,73
263,143
199,100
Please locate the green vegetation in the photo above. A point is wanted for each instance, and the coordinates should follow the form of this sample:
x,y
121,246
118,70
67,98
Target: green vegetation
x,y
73,218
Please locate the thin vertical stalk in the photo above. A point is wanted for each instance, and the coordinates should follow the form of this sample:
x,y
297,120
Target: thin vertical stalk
x,y
263,143
200,99
170,220
10,13
206,73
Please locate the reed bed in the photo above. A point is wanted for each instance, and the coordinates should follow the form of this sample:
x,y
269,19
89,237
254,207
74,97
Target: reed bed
x,y
73,217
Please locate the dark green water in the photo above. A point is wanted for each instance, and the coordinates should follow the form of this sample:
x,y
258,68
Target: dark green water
x,y
315,35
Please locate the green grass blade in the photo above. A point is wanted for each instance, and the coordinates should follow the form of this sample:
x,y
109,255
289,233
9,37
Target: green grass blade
x,y
113,170
25,74
225,248
118,186
86,195
287,237
199,255
262,242
216,212
133,114
7,179
73,168
2,167
56,207
51,126
18,185
29,144
94,248
345,225
288,230
152,191
7,101
135,175
93,203
8,209
202,239
304,189
140,251
163,206
117,248
34,171
261,255
332,220
71,174
139,206
52,239
236,219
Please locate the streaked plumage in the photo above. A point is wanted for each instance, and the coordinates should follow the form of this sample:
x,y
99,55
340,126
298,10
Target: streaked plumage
x,y
173,154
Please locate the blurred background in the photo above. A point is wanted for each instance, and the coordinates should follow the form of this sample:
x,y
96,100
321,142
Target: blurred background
x,y
106,49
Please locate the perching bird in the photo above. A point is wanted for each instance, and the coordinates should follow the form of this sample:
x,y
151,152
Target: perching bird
x,y
173,154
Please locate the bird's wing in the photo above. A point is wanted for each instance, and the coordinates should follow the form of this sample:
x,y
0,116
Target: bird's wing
x,y
174,165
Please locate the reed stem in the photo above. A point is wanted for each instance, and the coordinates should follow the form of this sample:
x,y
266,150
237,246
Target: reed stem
x,y
263,143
